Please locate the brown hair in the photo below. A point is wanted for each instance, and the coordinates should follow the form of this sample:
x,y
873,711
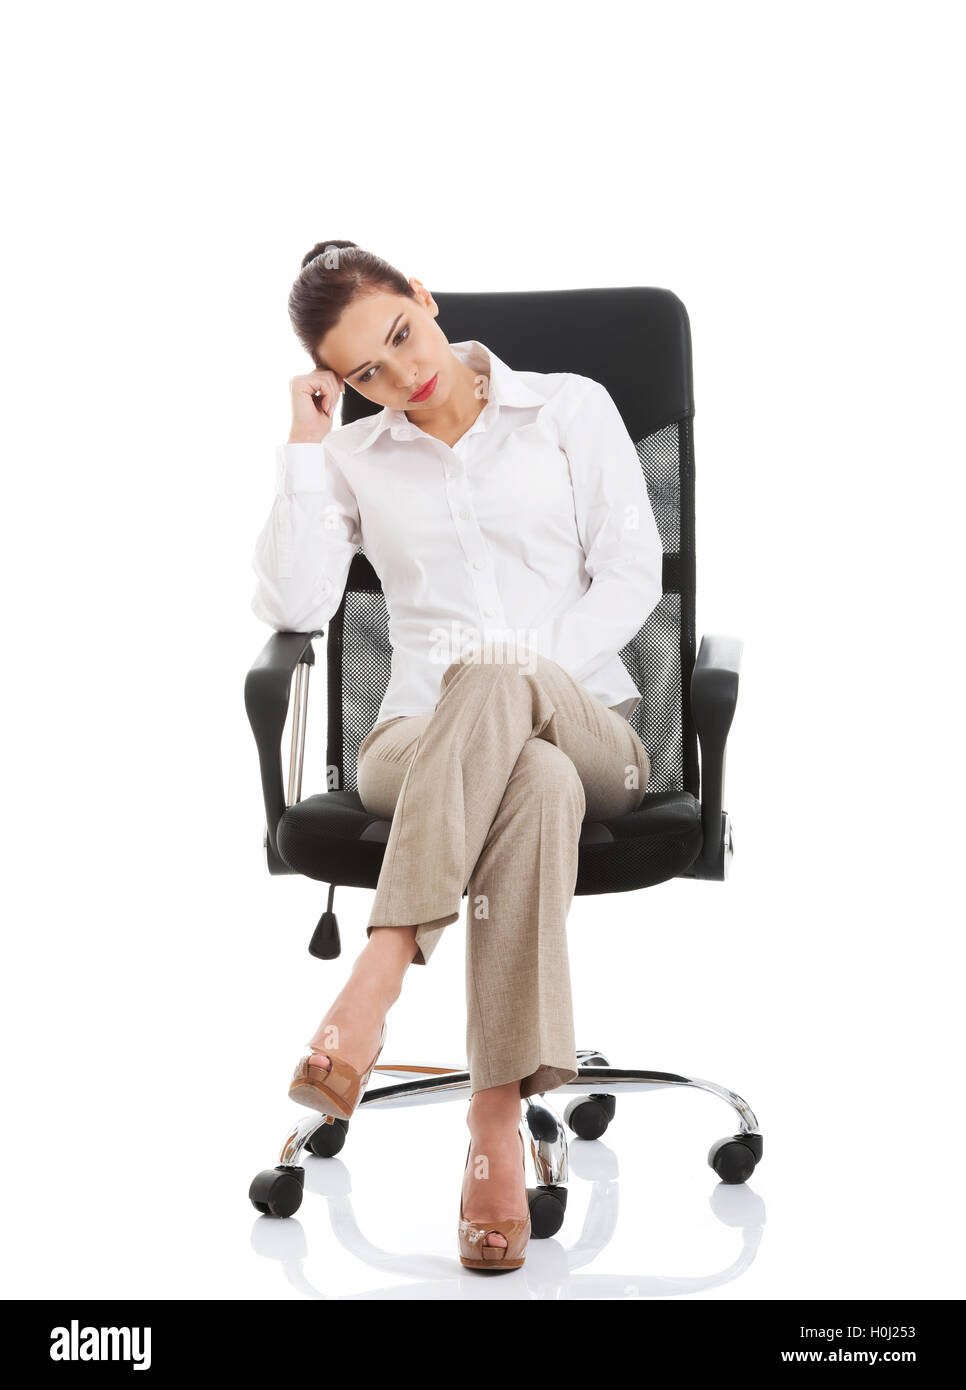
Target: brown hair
x,y
333,273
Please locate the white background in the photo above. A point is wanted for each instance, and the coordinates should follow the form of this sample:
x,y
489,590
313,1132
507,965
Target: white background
x,y
791,173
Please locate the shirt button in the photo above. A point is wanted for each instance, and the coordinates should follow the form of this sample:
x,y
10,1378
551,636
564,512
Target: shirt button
x,y
478,564
488,612
464,513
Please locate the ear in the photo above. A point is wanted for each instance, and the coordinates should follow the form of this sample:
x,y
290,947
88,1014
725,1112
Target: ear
x,y
424,296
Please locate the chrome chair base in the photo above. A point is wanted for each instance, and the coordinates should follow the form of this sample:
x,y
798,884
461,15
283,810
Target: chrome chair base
x,y
278,1191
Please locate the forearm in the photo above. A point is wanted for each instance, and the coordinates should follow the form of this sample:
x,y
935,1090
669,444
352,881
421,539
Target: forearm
x,y
603,620
303,552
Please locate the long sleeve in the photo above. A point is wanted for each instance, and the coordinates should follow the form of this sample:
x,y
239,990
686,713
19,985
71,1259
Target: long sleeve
x,y
304,550
619,535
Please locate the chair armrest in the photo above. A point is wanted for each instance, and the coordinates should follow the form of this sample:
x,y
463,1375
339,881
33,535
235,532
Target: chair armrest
x,y
267,690
714,695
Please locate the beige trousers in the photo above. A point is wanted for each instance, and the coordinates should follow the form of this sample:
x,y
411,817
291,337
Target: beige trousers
x,y
487,792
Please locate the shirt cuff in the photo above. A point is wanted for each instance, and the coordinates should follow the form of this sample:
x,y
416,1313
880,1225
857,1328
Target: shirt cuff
x,y
573,642
300,468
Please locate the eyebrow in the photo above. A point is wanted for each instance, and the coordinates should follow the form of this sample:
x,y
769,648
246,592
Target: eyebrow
x,y
384,341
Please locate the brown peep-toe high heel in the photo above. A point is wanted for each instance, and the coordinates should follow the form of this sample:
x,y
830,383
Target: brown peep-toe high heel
x,y
475,1254
335,1090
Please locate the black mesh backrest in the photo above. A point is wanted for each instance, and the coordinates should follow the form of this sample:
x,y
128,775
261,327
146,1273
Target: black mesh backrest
x,y
637,343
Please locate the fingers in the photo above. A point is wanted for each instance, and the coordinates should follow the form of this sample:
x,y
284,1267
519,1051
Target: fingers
x,y
323,388
329,385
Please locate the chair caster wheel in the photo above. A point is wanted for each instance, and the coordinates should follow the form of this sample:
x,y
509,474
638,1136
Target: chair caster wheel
x,y
734,1158
547,1208
589,1116
277,1191
328,1139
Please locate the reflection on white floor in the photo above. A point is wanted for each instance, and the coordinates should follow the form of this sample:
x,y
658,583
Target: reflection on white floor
x,y
589,1258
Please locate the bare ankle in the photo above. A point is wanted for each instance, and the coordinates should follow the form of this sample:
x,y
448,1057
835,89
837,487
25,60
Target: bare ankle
x,y
495,1107
384,963
396,945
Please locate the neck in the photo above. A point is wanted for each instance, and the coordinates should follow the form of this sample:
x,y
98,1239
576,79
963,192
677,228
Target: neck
x,y
462,406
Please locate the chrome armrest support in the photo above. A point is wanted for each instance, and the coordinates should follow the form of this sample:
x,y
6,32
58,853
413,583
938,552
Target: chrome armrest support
x,y
267,690
300,708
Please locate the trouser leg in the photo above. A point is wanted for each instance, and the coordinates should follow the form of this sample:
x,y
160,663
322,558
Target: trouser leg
x,y
519,1011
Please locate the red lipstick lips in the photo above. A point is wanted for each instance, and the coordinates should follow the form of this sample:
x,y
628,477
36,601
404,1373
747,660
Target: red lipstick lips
x,y
426,391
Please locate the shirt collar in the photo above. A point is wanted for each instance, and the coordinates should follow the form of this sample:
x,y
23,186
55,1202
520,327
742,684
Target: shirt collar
x,y
507,387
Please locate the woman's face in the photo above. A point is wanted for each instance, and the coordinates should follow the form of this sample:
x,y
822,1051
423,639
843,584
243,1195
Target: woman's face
x,y
387,346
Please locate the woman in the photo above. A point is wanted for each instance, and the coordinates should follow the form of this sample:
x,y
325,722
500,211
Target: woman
x,y
486,499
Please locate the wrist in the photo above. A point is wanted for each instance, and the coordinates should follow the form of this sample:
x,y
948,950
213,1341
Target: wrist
x,y
304,437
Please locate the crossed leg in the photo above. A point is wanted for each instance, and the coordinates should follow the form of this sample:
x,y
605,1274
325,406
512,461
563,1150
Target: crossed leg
x,y
487,793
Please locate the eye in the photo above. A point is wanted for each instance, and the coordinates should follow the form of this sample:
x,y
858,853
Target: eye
x,y
401,336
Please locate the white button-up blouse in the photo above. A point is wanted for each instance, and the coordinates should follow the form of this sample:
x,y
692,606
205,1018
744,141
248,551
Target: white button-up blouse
x,y
535,528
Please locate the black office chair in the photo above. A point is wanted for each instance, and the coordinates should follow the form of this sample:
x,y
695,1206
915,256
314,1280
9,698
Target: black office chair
x,y
637,343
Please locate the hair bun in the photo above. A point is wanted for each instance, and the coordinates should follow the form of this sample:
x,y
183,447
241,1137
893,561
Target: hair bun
x,y
322,246
333,274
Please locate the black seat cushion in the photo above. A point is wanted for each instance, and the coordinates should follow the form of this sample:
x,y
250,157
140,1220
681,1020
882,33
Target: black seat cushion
x,y
333,838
